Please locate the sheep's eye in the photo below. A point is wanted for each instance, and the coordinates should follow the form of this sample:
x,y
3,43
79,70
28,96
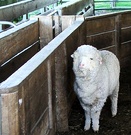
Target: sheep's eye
x,y
91,58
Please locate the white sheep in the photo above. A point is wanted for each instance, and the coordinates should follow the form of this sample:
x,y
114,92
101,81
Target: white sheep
x,y
96,78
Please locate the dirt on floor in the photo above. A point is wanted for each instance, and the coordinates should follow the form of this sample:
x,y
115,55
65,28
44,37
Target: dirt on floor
x,y
118,125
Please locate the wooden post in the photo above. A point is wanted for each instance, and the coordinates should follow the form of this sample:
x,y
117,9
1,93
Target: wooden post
x,y
60,89
9,112
118,35
46,30
57,25
67,21
50,94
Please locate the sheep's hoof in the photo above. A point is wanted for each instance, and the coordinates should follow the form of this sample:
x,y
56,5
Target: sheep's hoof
x,y
114,114
96,129
86,128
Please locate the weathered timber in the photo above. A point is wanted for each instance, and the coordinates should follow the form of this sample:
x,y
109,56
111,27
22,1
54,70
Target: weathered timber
x,y
15,10
37,83
46,29
111,31
73,7
16,39
51,26
10,66
102,40
10,114
61,88
125,19
118,35
70,20
57,25
99,25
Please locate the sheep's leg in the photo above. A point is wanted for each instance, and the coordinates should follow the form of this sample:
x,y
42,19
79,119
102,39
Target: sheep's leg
x,y
114,100
95,114
87,119
95,120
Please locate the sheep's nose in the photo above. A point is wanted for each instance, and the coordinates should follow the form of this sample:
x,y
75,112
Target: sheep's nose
x,y
81,65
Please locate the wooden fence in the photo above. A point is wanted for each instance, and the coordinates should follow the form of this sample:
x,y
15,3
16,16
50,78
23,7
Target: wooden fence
x,y
18,45
23,8
38,88
76,7
111,32
37,98
12,11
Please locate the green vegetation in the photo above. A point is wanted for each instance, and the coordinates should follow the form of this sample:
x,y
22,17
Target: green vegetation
x,y
102,5
123,4
117,4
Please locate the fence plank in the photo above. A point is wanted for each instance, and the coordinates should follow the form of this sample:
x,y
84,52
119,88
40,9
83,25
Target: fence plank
x,y
101,40
73,7
57,25
46,29
17,61
95,25
9,109
16,39
125,34
125,50
67,21
118,35
49,74
13,11
51,26
61,89
125,19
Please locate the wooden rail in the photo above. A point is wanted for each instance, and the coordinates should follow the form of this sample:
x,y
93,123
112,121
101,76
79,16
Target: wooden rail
x,y
74,7
18,9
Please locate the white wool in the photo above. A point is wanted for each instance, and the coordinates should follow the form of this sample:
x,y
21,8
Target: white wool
x,y
96,78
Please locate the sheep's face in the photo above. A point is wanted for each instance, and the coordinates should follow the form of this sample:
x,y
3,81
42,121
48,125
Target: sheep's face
x,y
86,61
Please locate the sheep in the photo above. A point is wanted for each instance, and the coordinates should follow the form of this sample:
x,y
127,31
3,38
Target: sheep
x,y
96,77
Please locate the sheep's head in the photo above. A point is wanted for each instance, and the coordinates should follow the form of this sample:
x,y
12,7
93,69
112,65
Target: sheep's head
x,y
86,61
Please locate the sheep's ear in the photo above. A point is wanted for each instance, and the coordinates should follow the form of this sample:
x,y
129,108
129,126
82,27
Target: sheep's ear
x,y
72,56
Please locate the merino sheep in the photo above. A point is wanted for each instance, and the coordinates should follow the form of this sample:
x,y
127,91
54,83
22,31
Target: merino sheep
x,y
96,78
